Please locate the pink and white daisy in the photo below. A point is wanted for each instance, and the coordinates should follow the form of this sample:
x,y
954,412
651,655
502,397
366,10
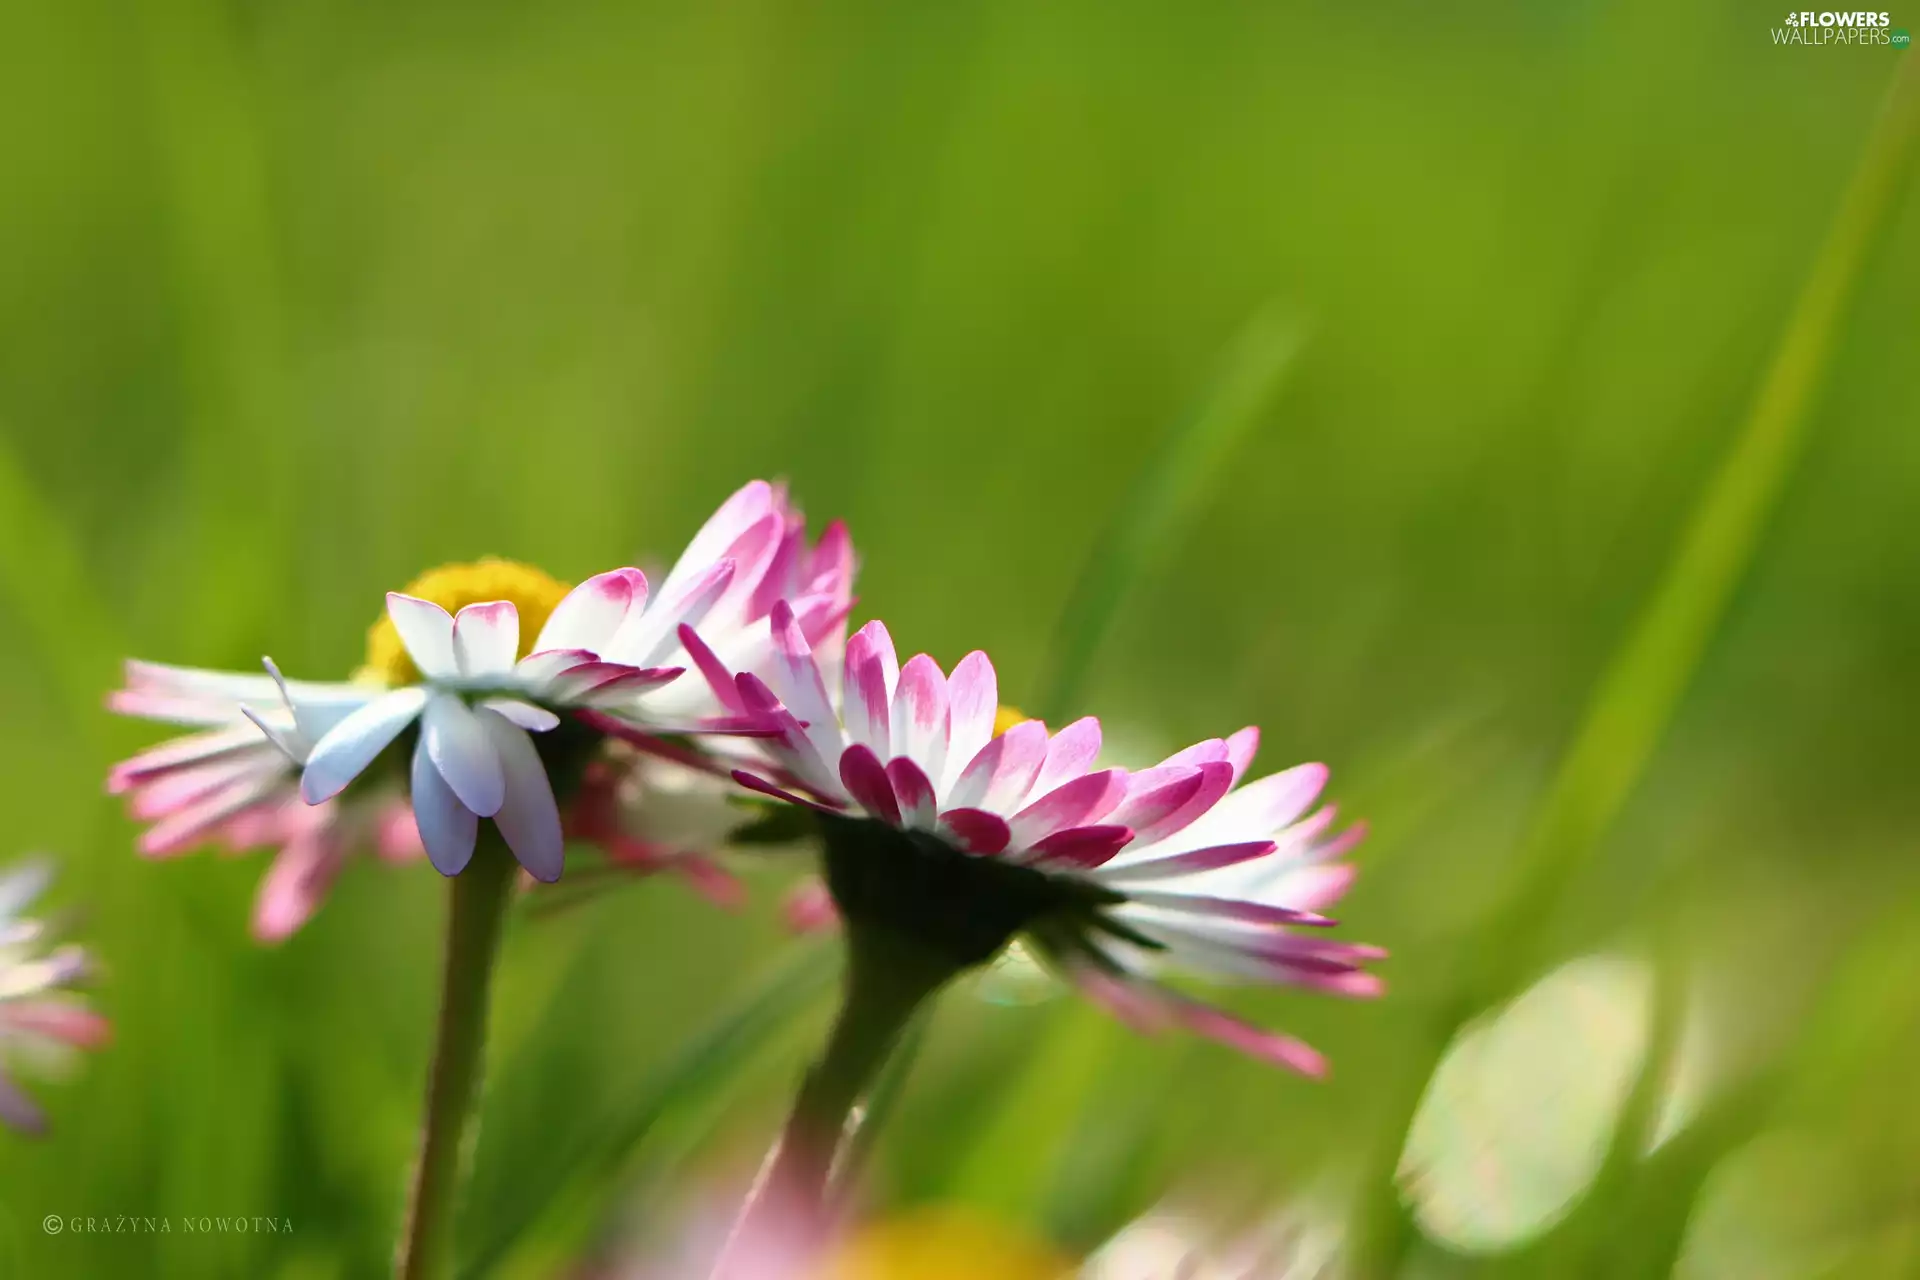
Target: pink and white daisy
x,y
38,1024
602,649
766,536
604,653
1110,876
228,786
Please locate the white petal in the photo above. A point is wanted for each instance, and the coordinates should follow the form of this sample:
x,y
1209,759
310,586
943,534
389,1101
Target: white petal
x,y
463,753
447,827
427,631
740,512
486,638
528,819
524,714
288,741
590,613
647,639
194,682
22,883
351,745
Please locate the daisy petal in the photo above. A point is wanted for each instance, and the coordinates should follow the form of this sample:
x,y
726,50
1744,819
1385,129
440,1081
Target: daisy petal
x,y
712,670
169,795
1085,800
1215,780
427,632
867,695
1211,751
918,808
1276,800
1240,750
1232,909
21,883
463,753
1001,774
295,885
447,827
589,615
180,752
919,715
287,744
754,782
973,698
525,714
1155,795
529,818
818,771
1082,848
865,779
977,830
59,1020
1311,888
486,638
350,746
648,638
537,670
1258,1042
204,818
743,509
621,689
796,679
1191,862
1070,754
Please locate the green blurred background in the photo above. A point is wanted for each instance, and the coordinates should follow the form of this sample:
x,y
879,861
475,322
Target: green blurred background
x,y
300,299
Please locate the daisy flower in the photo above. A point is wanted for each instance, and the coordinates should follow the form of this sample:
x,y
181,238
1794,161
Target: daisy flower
x,y
946,841
37,1024
964,839
479,690
475,658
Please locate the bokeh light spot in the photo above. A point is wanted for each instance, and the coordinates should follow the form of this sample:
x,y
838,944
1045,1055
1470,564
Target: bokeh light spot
x,y
1517,1118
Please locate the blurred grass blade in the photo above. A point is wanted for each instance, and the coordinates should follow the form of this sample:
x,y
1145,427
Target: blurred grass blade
x,y
211,159
589,1166
44,577
1019,1142
1171,481
1635,699
1642,684
879,1107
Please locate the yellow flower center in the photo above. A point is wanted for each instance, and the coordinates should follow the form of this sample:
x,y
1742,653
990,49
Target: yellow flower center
x,y
1007,717
942,1244
453,587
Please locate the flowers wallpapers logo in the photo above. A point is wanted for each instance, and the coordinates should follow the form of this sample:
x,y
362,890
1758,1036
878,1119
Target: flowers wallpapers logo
x,y
1827,27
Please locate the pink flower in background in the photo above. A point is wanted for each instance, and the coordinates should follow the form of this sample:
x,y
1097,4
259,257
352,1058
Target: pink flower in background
x,y
649,815
38,1024
1109,876
229,786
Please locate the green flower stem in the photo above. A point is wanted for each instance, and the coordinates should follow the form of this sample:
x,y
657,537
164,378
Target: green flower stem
x,y
477,900
888,978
